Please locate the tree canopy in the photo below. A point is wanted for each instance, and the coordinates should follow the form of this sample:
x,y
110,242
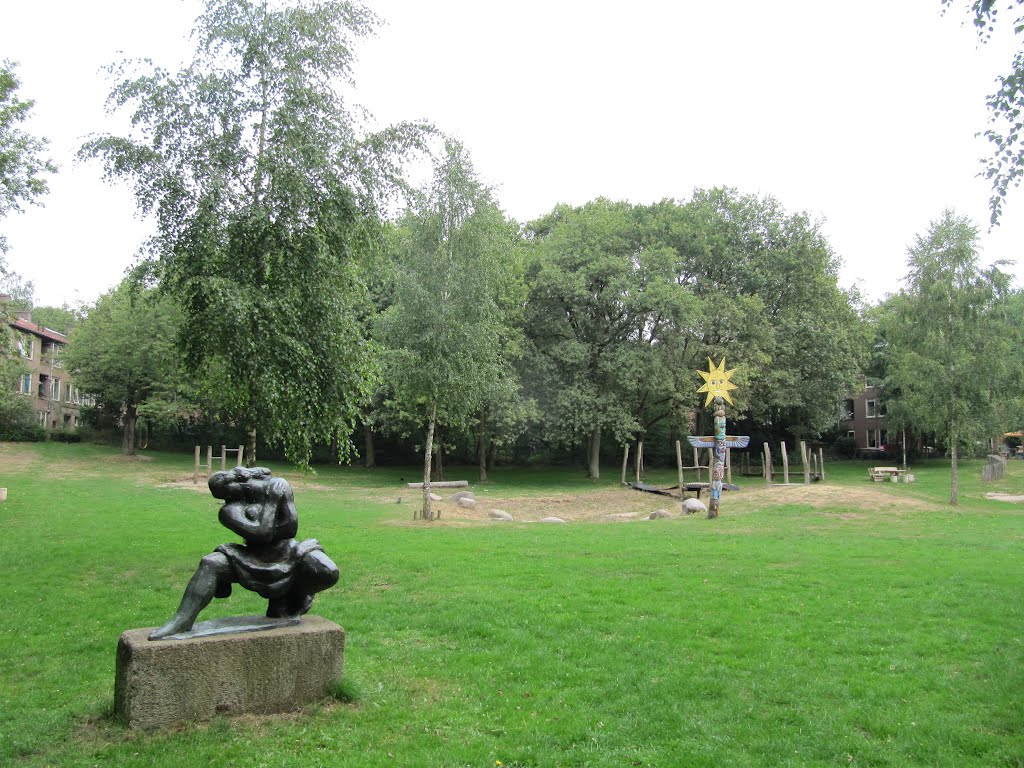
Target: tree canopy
x,y
443,333
266,194
952,346
1004,167
23,161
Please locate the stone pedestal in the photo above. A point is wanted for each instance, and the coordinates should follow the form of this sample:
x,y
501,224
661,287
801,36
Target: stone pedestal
x,y
163,682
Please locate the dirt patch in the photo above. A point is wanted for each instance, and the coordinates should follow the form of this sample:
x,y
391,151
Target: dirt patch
x,y
1005,497
13,459
620,505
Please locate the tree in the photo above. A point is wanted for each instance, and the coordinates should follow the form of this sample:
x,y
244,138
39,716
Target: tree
x,y
952,348
23,164
587,302
1005,166
123,353
265,197
442,335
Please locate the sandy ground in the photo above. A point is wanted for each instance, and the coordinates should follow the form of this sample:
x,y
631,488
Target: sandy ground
x,y
1005,497
609,505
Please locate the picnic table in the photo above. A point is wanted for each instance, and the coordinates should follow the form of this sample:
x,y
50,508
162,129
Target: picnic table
x,y
878,474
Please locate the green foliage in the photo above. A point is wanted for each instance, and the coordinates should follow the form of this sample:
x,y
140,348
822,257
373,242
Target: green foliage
x,y
951,345
1005,166
61,319
17,418
23,164
123,353
265,196
627,302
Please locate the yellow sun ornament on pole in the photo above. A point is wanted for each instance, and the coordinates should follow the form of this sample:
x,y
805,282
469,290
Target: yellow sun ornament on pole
x,y
716,382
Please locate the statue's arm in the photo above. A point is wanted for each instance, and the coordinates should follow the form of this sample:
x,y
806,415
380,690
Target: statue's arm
x,y
257,528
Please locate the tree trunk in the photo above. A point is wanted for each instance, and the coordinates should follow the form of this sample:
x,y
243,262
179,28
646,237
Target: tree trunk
x,y
250,447
594,458
955,486
131,416
369,455
428,455
481,447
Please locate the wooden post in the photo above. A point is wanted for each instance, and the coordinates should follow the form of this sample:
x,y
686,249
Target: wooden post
x,y
785,464
728,465
814,461
223,457
821,463
241,453
639,460
679,467
767,463
209,460
806,465
195,472
696,463
625,461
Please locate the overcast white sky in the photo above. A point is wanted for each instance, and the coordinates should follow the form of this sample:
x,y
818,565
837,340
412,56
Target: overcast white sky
x,y
863,114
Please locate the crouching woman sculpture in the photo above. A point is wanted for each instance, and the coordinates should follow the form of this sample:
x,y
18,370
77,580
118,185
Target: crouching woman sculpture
x,y
261,509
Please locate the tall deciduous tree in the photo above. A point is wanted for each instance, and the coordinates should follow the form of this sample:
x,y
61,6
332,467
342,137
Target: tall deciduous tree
x,y
952,354
265,193
1005,166
23,161
442,334
123,353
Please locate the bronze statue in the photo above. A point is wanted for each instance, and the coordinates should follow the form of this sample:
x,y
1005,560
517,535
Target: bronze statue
x,y
261,509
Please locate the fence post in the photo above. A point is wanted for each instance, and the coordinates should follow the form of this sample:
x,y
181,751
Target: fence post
x,y
195,471
785,464
803,459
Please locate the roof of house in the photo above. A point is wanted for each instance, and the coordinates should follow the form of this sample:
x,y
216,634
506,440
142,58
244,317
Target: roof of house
x,y
38,330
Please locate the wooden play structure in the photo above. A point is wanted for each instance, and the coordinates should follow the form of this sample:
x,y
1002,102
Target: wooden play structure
x,y
812,465
208,466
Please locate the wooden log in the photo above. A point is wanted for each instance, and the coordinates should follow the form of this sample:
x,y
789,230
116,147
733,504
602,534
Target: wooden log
x,y
195,472
728,465
625,461
241,453
441,484
821,463
223,457
806,465
767,463
696,463
209,460
682,483
785,463
639,461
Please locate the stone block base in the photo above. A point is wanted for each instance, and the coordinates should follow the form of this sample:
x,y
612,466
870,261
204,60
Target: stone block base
x,y
163,682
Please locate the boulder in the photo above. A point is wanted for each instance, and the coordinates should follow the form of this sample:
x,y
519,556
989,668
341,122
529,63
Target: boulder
x,y
500,514
462,495
694,505
466,503
434,497
660,514
552,520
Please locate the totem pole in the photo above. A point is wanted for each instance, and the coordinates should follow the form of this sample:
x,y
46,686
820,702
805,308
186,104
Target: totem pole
x,y
717,386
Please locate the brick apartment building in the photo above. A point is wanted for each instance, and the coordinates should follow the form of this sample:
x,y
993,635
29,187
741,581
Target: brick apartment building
x,y
55,398
863,418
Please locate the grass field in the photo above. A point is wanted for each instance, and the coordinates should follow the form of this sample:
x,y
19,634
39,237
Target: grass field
x,y
848,623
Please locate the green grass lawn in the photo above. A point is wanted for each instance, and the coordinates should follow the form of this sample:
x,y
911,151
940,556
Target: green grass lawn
x,y
782,634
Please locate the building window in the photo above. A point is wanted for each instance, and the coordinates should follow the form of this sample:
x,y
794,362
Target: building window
x,y
872,438
26,384
871,409
42,418
55,390
852,435
26,345
44,386
847,414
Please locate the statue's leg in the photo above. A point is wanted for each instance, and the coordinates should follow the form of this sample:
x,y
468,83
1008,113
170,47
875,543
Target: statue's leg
x,y
214,569
316,572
